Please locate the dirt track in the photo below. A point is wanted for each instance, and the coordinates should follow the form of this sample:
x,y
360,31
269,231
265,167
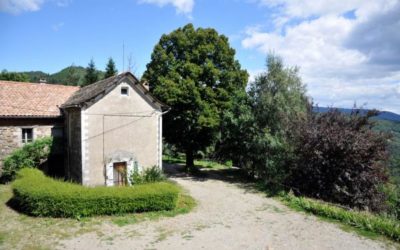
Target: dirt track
x,y
228,216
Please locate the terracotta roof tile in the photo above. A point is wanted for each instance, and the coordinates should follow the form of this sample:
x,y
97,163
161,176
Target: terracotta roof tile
x,y
22,99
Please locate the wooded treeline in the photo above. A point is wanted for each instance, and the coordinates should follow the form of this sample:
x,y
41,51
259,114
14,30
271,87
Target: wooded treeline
x,y
71,75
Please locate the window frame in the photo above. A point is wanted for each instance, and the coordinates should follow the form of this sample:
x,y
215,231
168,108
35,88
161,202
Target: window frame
x,y
126,90
25,133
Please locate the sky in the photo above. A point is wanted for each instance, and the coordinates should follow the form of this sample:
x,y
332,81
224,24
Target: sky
x,y
348,52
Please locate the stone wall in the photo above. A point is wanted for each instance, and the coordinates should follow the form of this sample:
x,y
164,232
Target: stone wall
x,y
11,133
9,141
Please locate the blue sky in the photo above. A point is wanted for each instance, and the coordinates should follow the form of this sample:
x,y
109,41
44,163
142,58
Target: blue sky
x,y
347,51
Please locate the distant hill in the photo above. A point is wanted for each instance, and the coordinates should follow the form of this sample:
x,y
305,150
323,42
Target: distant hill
x,y
383,115
35,76
72,75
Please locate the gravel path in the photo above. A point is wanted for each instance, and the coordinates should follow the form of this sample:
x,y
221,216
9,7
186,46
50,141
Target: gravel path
x,y
228,216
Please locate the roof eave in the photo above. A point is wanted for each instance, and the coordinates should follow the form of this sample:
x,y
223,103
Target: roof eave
x,y
30,117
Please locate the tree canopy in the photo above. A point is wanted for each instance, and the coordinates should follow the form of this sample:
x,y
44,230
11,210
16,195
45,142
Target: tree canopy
x,y
13,76
91,73
72,77
195,72
257,133
111,69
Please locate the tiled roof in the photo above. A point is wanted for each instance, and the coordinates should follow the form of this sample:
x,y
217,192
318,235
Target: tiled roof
x,y
22,99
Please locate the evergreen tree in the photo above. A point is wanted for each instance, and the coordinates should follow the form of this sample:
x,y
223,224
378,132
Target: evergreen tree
x,y
111,69
91,73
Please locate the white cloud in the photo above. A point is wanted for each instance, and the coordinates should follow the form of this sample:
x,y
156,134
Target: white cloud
x,y
181,6
343,58
254,73
307,8
18,6
63,3
56,27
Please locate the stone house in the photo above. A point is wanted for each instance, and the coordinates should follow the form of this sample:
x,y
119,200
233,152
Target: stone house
x,y
29,111
110,128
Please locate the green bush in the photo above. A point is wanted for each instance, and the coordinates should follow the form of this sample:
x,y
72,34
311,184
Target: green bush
x,y
392,192
39,195
149,175
31,155
362,220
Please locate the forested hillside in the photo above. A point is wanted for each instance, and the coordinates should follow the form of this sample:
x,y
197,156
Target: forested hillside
x,y
72,75
394,129
383,115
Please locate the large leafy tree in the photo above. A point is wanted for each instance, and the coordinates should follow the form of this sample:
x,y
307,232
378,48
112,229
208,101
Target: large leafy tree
x,y
257,134
194,71
111,69
278,97
91,73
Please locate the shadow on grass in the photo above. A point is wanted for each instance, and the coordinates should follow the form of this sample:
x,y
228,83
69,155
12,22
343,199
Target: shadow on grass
x,y
14,205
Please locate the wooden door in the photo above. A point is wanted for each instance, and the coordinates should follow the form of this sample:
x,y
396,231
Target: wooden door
x,y
120,174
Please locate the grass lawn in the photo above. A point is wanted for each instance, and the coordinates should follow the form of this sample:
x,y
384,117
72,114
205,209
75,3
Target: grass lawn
x,y
19,231
206,164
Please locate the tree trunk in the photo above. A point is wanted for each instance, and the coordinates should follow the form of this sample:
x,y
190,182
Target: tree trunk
x,y
189,160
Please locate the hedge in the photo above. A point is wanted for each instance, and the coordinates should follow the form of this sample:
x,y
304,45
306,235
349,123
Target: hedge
x,y
39,195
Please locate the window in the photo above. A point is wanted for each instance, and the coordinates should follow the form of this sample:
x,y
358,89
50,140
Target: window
x,y
124,91
27,135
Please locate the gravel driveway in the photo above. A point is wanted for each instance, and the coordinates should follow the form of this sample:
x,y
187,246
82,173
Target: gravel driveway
x,y
228,216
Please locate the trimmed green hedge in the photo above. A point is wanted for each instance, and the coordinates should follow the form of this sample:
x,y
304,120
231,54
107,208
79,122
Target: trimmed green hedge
x,y
39,195
362,220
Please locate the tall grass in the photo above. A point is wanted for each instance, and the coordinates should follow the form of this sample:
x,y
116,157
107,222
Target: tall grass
x,y
361,220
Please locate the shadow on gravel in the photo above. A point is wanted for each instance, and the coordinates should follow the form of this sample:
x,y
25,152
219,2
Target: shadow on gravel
x,y
231,175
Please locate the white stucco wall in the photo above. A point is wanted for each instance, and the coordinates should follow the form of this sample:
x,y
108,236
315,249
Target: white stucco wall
x,y
119,123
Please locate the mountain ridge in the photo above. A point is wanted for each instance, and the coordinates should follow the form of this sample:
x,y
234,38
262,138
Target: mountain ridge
x,y
71,75
383,115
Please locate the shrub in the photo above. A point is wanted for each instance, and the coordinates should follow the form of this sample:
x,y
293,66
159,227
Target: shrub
x,y
149,175
39,195
341,159
31,155
392,192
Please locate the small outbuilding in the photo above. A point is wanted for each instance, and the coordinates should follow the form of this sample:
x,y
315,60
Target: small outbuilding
x,y
113,127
